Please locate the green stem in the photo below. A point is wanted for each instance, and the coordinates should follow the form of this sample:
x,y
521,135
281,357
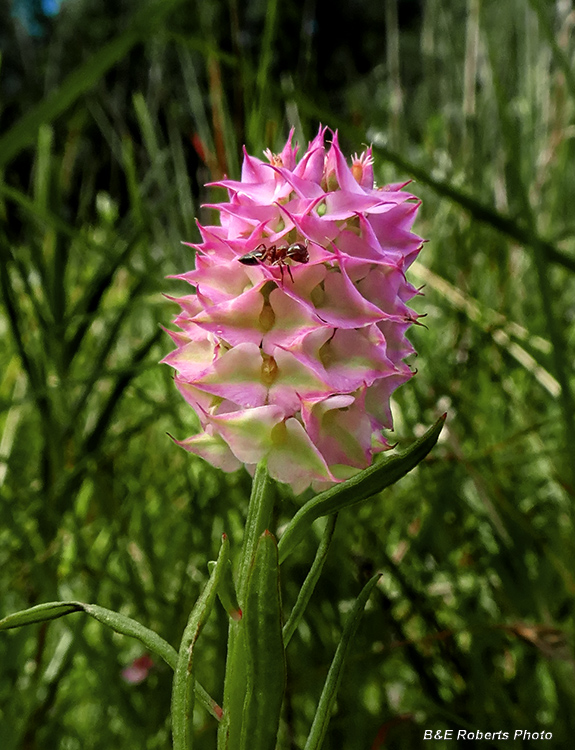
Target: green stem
x,y
183,691
312,578
258,520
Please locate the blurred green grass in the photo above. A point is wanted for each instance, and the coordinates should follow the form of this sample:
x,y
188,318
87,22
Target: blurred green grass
x,y
104,150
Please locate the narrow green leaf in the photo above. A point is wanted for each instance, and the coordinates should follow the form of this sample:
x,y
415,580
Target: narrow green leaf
x,y
182,179
310,581
40,613
258,520
128,626
229,728
149,136
182,691
227,591
42,166
329,692
377,477
114,620
131,175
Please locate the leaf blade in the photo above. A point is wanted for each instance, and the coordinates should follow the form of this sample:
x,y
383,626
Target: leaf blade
x,y
363,485
329,692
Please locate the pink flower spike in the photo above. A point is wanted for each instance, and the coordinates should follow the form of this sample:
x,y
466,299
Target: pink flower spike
x,y
294,338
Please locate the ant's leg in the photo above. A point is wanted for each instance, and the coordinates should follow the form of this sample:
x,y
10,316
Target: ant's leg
x,y
290,274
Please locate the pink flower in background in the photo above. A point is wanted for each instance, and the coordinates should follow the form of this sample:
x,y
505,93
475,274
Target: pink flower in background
x,y
138,670
294,339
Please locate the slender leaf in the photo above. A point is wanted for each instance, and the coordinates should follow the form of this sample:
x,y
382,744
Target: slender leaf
x,y
377,477
266,655
235,684
114,620
311,579
227,591
329,692
258,520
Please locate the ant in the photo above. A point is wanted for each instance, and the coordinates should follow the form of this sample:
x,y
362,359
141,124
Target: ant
x,y
277,256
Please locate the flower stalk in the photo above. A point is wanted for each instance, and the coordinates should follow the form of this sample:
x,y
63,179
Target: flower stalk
x,y
238,663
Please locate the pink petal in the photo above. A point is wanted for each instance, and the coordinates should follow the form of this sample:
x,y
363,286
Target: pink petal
x,y
341,430
249,432
212,448
295,459
237,320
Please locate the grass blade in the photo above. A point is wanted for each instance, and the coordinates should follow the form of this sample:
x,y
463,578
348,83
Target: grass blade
x,y
81,80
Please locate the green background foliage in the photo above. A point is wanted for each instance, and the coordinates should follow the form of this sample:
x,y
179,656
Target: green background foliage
x,y
114,115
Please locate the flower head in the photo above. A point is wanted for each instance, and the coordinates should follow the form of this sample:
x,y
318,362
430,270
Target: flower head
x,y
294,339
